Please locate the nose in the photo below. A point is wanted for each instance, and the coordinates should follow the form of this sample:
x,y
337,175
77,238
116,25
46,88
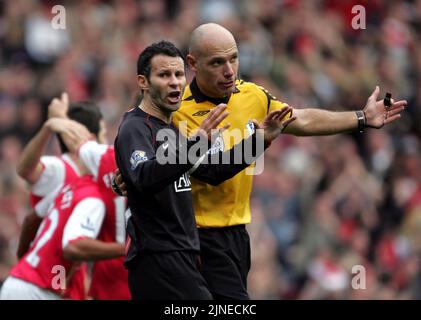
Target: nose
x,y
228,70
174,81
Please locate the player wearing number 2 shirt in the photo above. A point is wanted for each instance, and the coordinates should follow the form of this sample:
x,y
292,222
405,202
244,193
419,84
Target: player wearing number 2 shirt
x,y
45,272
46,175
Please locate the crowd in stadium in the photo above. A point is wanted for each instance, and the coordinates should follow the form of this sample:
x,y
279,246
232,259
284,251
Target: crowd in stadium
x,y
323,205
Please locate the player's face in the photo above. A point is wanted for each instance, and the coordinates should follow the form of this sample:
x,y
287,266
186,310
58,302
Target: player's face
x,y
167,81
216,68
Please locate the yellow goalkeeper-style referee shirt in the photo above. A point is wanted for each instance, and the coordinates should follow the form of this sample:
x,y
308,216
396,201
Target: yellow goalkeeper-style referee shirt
x,y
229,203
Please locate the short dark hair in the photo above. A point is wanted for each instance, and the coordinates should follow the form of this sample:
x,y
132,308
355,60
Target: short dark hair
x,y
162,47
86,113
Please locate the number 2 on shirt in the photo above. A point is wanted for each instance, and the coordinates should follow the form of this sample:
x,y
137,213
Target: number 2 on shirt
x,y
32,258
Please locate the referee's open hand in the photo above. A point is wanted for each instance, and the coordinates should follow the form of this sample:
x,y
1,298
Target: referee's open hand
x,y
274,123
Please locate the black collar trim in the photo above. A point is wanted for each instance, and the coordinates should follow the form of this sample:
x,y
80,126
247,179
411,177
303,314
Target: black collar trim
x,y
200,97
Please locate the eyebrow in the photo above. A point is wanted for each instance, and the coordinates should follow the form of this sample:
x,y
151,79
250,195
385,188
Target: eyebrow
x,y
224,56
168,70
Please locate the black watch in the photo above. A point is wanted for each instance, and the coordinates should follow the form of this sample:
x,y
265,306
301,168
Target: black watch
x,y
362,121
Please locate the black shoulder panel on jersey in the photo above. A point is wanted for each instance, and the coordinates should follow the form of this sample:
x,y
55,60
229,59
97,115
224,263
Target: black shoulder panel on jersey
x,y
269,97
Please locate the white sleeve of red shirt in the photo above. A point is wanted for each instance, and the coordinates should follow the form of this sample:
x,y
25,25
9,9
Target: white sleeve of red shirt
x,y
85,221
52,176
90,154
49,183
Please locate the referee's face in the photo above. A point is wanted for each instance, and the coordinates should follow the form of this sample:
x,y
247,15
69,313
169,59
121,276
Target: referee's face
x,y
166,82
216,67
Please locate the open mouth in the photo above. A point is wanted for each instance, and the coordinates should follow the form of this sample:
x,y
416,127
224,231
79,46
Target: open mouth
x,y
174,96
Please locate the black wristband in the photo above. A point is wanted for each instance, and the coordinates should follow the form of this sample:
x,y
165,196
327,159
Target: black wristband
x,y
362,120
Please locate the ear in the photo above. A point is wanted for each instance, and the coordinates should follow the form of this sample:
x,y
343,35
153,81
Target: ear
x,y
142,82
192,62
93,137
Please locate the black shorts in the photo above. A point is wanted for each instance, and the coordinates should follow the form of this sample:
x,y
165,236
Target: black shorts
x,y
171,275
225,257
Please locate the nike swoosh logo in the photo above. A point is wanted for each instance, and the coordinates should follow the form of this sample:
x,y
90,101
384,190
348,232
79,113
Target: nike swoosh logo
x,y
165,146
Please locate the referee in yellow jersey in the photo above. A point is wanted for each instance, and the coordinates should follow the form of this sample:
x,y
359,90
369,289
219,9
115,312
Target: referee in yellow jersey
x,y
223,211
